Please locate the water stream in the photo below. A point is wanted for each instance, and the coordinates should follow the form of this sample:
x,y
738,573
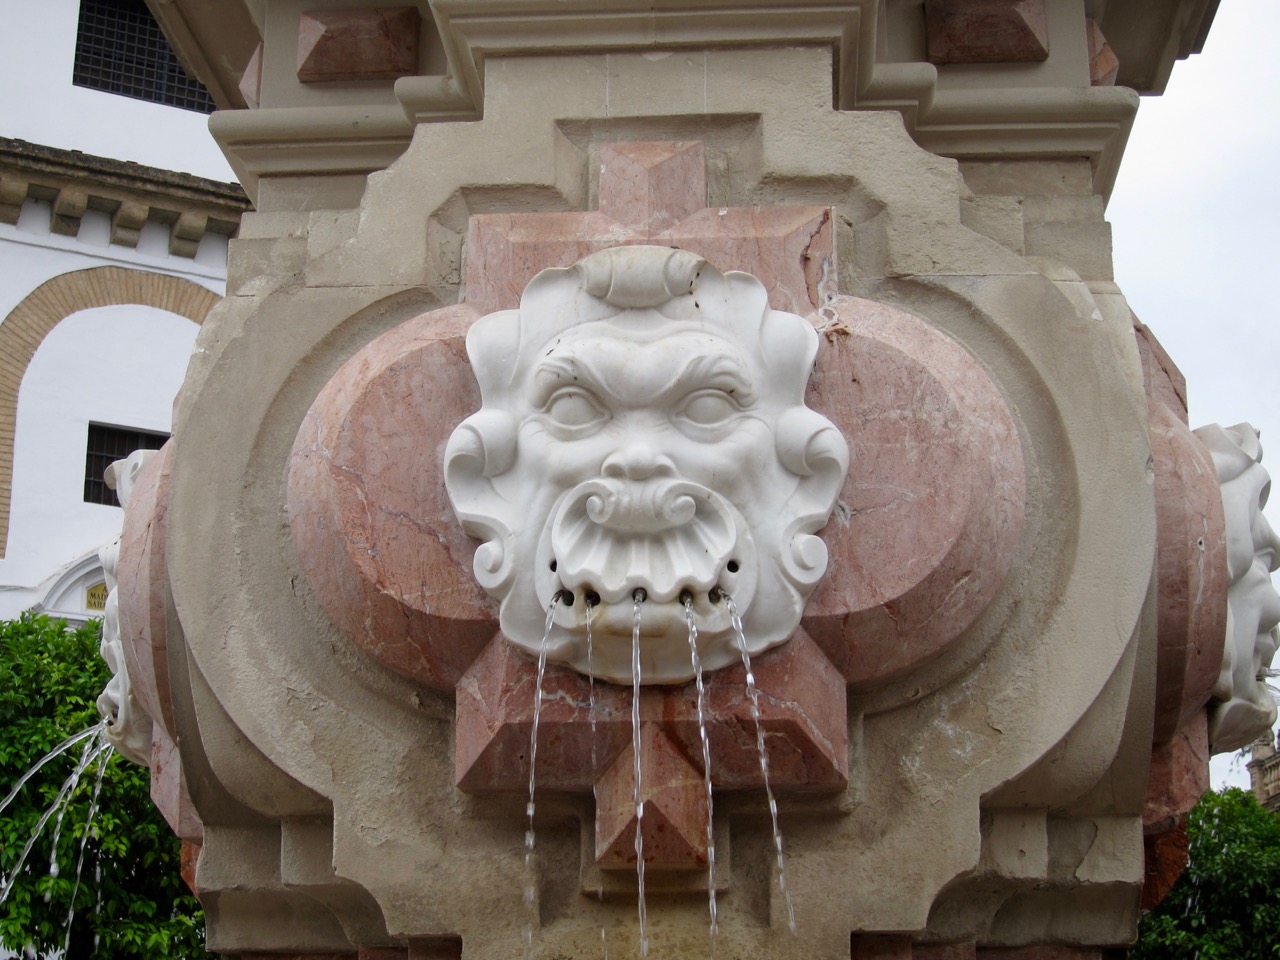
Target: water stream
x,y
706,772
637,600
754,694
96,746
103,757
531,875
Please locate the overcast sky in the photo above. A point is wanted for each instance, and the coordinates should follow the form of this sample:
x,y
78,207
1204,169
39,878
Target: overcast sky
x,y
1196,224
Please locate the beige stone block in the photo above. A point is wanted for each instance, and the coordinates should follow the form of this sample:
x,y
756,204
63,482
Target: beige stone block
x,y
1116,854
259,266
13,194
1015,843
1085,247
68,208
185,234
1028,177
260,225
1065,209
999,218
127,222
296,194
327,229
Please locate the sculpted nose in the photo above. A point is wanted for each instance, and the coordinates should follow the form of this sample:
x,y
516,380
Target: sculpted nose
x,y
638,460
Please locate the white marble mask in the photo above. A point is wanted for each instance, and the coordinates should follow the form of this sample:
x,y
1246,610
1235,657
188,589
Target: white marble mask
x,y
643,428
1244,706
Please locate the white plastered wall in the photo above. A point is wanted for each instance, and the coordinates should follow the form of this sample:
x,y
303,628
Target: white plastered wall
x,y
118,365
42,105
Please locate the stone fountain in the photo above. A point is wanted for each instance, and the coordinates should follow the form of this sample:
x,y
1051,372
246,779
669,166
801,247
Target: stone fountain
x,y
464,453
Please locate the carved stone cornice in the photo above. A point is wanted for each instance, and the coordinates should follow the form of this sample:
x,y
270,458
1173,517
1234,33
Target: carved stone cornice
x,y
132,194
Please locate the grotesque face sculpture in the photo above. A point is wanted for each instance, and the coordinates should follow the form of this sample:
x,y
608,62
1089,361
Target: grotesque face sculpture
x,y
1245,707
643,433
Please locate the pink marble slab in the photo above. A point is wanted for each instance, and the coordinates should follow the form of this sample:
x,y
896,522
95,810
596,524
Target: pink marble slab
x,y
931,513
143,589
371,523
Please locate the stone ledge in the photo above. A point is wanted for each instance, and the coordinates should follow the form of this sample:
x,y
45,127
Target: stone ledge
x,y
132,194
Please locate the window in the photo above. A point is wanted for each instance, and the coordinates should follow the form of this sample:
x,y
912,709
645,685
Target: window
x,y
107,445
120,49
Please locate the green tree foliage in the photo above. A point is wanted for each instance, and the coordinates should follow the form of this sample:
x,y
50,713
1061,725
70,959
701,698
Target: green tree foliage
x,y
130,901
1226,905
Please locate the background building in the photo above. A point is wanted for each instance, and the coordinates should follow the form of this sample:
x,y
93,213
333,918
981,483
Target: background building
x,y
114,220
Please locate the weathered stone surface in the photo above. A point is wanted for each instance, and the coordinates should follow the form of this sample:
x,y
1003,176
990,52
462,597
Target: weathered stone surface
x,y
377,44
986,31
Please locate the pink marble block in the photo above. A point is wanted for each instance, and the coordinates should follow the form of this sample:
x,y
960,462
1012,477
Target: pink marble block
x,y
674,826
169,789
655,193
377,44
931,513
144,589
880,946
986,31
1191,548
372,526
1178,777
802,706
944,951
1039,952
1192,568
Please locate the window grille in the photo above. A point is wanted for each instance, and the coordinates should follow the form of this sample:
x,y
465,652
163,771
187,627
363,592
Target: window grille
x,y
107,445
120,49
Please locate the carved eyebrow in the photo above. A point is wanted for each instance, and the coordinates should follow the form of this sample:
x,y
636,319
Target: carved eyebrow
x,y
716,372
697,371
556,371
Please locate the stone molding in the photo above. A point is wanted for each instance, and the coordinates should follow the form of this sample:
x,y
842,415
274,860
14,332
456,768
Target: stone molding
x,y
73,182
1026,122
26,326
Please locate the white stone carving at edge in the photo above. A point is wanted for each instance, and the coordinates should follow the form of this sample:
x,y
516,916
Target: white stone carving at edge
x,y
643,427
1243,706
128,726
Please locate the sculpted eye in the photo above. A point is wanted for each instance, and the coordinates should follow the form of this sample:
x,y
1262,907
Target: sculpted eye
x,y
573,407
708,408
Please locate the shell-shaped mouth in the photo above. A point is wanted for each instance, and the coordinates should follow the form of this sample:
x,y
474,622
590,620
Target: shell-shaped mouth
x,y
662,535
